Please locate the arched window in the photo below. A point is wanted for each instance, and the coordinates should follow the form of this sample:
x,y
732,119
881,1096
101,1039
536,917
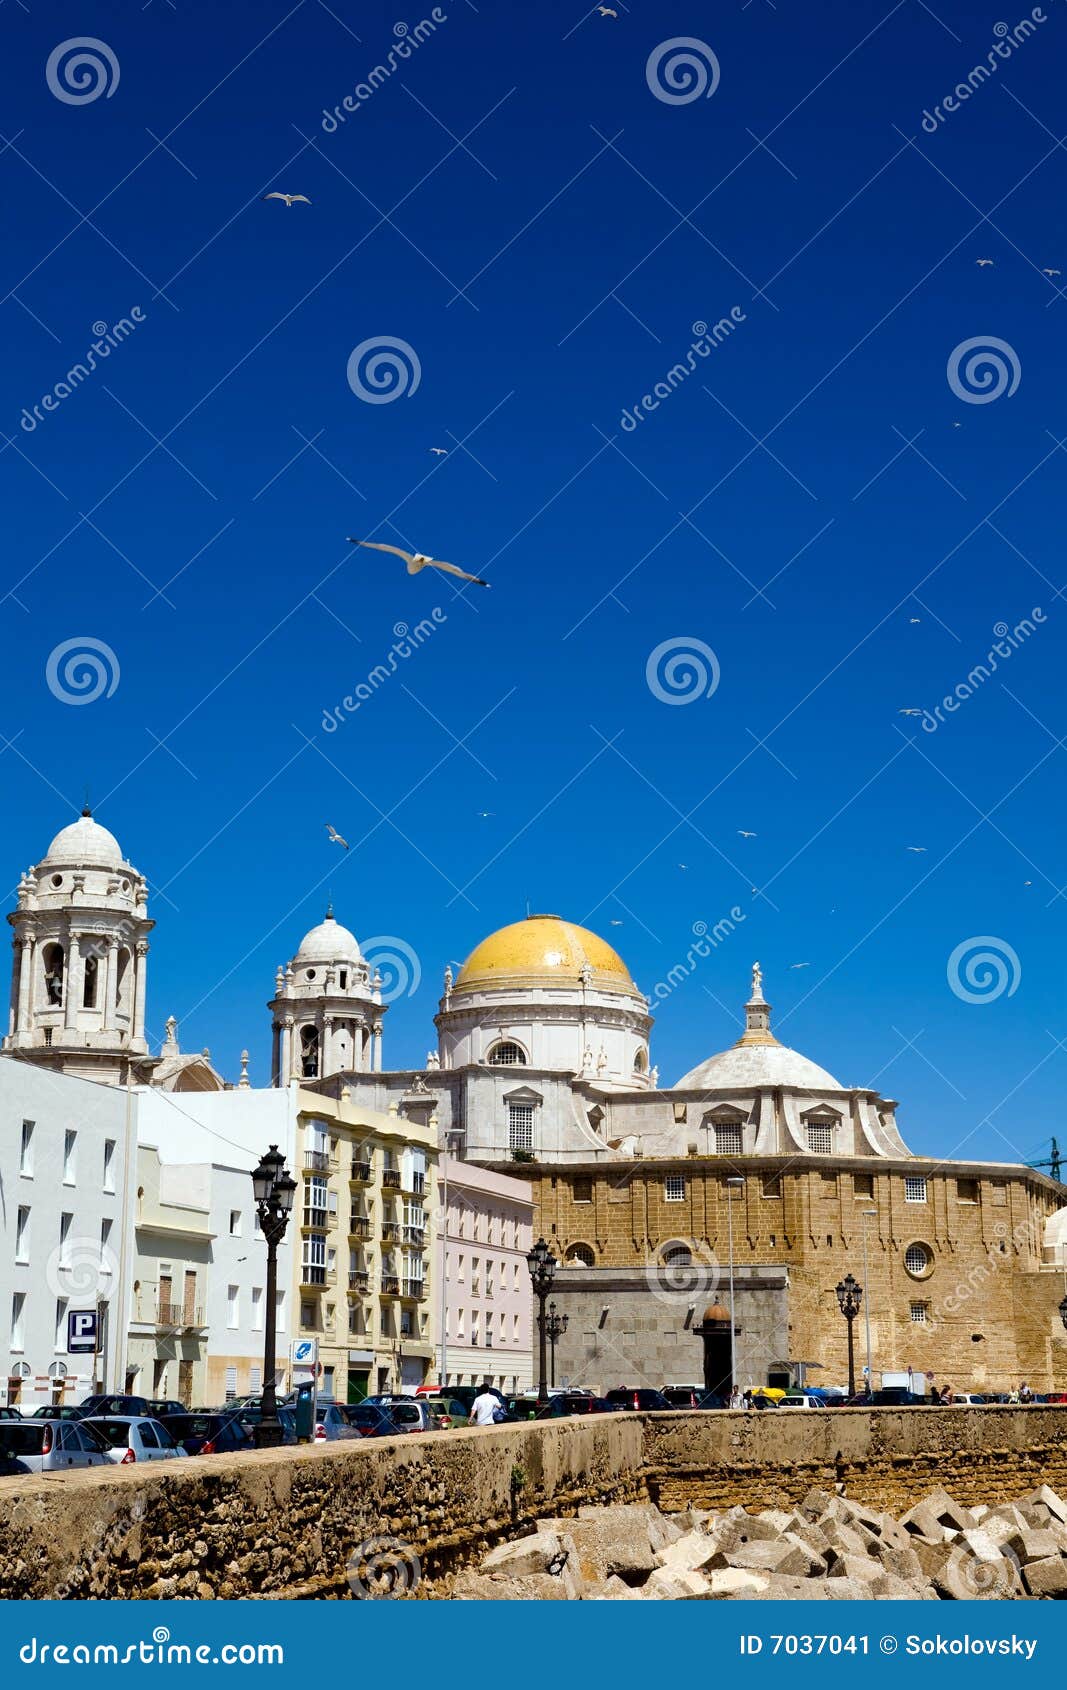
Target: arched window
x,y
53,974
676,1255
309,1052
507,1054
579,1255
641,1062
89,988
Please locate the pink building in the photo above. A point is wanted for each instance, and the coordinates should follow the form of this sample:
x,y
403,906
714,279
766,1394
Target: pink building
x,y
487,1318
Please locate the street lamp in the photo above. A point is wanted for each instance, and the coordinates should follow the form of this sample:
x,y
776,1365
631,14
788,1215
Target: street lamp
x,y
867,1214
274,1189
849,1297
555,1326
732,1184
542,1265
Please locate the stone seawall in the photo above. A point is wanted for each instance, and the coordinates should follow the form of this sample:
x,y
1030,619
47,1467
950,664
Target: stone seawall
x,y
284,1523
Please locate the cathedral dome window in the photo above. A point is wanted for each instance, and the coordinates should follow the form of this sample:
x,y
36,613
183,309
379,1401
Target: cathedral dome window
x,y
57,880
919,1260
579,1255
821,1137
507,1054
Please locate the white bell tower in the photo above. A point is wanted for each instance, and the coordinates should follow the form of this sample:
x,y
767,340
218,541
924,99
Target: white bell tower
x,y
327,1009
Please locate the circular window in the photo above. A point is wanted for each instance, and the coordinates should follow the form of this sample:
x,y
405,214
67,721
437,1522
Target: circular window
x,y
57,880
125,886
919,1260
309,973
580,1255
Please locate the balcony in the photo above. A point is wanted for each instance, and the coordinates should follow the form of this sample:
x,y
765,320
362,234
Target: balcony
x,y
392,1232
414,1235
415,1288
390,1285
418,1184
315,1220
179,1316
359,1226
391,1179
316,1161
312,1277
359,1279
362,1173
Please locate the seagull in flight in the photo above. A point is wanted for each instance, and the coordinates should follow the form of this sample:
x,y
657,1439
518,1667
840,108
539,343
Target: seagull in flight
x,y
418,560
486,813
1052,272
745,835
439,451
335,837
607,12
909,712
290,199
981,262
916,847
614,923
800,965
914,618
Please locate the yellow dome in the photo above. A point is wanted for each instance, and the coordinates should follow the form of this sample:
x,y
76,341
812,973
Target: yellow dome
x,y
543,951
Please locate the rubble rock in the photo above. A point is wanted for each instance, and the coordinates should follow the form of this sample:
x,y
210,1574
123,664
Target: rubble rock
x,y
1047,1578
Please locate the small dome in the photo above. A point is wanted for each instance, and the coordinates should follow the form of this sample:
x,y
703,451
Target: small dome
x,y
329,942
715,1311
543,951
744,1067
84,844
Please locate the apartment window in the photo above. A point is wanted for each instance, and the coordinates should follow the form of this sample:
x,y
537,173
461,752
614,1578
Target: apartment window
x,y
674,1188
257,1308
729,1138
967,1190
918,1313
488,1329
61,1324
235,1223
583,1189
231,1384
863,1187
476,1276
26,1151
233,1316
771,1185
105,1240
488,1278
279,1311
915,1189
109,1164
255,1378
307,1314
18,1313
821,1137
70,1147
507,1055
22,1235
64,1233
520,1126
315,1203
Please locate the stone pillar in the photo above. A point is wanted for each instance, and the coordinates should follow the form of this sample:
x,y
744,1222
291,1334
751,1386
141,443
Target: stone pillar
x,y
377,1058
326,1047
111,986
291,1043
74,982
137,1030
25,984
276,1055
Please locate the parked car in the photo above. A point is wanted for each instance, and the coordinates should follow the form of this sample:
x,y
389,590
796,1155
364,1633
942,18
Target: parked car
x,y
370,1420
50,1446
158,1407
209,1433
10,1465
332,1423
114,1405
131,1439
10,1414
713,1399
568,1403
252,1413
683,1396
446,1411
800,1399
57,1411
633,1398
413,1416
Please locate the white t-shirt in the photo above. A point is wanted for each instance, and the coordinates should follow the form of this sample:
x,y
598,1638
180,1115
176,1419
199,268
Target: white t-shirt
x,y
483,1408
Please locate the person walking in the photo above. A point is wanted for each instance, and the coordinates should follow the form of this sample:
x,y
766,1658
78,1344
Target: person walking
x,y
484,1408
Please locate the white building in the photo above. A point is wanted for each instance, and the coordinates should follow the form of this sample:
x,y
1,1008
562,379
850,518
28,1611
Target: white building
x,y
66,1177
487,1315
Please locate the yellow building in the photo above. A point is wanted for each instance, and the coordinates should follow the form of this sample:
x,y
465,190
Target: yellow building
x,y
363,1259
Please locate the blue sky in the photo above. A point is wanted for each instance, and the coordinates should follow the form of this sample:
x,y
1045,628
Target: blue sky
x,y
517,205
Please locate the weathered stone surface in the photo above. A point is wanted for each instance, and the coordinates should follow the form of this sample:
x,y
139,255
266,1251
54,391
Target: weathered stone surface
x,y
764,1556
1056,1506
675,1582
726,1582
608,1540
692,1552
936,1512
1032,1546
535,1554
1047,1578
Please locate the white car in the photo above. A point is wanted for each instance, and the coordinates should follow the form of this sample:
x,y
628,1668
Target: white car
x,y
50,1446
131,1437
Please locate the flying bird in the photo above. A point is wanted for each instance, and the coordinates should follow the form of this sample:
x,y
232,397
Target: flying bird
x,y
800,965
683,865
439,451
607,12
745,835
614,923
485,813
983,261
335,837
1052,272
914,618
418,560
916,847
909,712
290,199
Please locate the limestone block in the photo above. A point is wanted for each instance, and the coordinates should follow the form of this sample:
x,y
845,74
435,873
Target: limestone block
x,y
616,1590
725,1582
674,1583
1033,1546
970,1577
777,1557
535,1554
615,1540
1056,1506
902,1564
815,1504
692,1552
861,1567
1047,1578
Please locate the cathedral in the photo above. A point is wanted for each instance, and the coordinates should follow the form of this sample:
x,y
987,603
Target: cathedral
x,y
756,1180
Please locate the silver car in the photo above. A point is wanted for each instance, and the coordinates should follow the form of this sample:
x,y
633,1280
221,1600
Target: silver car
x,y
50,1446
411,1416
131,1437
332,1422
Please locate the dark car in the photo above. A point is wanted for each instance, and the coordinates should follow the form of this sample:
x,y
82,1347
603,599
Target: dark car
x,y
10,1414
712,1399
10,1465
893,1396
372,1420
160,1406
633,1398
578,1402
252,1413
58,1411
209,1433
139,1406
683,1396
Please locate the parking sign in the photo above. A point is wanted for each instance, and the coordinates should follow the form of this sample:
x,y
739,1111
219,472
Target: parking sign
x,y
81,1332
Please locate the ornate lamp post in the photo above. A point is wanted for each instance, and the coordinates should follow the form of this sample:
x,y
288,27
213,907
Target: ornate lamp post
x,y
849,1297
555,1326
274,1189
542,1265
